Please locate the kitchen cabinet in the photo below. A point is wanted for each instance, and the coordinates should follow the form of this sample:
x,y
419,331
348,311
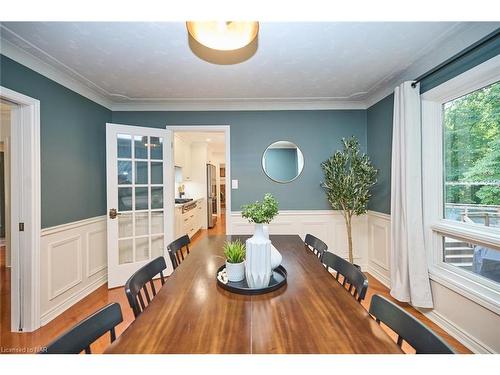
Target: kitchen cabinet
x,y
189,218
182,157
186,169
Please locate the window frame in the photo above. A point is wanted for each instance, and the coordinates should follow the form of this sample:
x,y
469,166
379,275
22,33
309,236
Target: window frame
x,y
468,284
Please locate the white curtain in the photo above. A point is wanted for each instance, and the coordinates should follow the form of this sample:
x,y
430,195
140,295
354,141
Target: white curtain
x,y
409,271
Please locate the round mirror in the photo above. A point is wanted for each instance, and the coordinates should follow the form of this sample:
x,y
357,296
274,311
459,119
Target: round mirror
x,y
283,161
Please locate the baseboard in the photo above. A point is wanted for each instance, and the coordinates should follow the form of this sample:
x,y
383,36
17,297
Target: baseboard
x,y
459,334
71,300
379,276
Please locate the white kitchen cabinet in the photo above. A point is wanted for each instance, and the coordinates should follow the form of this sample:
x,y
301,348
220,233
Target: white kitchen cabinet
x,y
182,157
186,169
179,147
190,221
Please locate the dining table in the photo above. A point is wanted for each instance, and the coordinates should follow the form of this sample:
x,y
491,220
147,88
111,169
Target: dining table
x,y
311,313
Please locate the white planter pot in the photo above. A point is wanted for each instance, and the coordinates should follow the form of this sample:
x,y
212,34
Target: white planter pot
x,y
235,271
276,257
258,259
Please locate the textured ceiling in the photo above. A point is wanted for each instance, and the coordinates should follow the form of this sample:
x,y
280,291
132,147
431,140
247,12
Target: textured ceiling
x,y
153,61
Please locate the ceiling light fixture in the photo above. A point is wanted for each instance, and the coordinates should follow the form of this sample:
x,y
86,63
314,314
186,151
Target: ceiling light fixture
x,y
223,35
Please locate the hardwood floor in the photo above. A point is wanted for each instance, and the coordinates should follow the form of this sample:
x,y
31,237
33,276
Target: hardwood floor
x,y
28,342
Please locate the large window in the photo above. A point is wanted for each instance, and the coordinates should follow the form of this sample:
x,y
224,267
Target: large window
x,y
471,153
472,157
461,182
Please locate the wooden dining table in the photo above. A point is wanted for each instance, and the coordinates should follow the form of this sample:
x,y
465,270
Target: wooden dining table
x,y
312,313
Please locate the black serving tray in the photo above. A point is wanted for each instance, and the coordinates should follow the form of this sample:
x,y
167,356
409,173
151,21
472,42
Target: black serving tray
x,y
278,279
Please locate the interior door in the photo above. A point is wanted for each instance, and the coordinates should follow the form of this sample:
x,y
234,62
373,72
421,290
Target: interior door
x,y
140,198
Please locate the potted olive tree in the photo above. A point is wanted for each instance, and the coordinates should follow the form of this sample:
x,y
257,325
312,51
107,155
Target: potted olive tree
x,y
349,175
234,251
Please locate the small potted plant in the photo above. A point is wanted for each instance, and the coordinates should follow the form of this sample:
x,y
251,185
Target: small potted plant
x,y
234,251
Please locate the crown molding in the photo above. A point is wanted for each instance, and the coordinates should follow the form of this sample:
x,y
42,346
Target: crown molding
x,y
448,45
64,78
24,58
240,105
456,40
202,104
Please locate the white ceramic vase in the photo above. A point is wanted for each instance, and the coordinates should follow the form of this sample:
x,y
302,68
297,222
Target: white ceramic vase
x,y
235,271
276,257
258,259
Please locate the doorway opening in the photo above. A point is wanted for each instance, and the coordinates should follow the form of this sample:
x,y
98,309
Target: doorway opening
x,y
20,211
201,157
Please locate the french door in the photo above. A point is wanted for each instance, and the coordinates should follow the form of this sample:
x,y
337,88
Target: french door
x,y
140,198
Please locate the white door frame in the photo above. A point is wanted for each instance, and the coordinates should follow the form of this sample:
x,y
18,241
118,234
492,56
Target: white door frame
x,y
226,129
25,208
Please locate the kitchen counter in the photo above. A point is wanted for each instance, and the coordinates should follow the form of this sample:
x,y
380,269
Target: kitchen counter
x,y
193,201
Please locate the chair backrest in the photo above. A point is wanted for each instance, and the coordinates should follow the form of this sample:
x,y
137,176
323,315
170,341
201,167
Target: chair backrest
x,y
175,250
137,284
407,327
316,245
352,276
79,338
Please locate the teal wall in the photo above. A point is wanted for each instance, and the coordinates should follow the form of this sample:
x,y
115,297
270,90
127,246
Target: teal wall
x,y
73,154
379,120
73,146
379,135
317,133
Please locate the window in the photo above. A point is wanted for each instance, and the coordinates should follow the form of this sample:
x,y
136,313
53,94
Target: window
x,y
471,153
471,132
461,182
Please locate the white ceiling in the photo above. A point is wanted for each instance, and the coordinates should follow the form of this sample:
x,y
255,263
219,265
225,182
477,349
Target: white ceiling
x,y
206,137
152,62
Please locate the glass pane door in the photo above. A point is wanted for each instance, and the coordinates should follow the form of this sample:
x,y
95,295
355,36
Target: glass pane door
x,y
136,198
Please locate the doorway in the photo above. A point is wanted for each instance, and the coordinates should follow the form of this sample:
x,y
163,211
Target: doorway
x,y
200,154
20,141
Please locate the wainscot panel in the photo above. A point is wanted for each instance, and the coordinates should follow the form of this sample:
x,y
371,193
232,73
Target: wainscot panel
x,y
73,260
327,225
473,325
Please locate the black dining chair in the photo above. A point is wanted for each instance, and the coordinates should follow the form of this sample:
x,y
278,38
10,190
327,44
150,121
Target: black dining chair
x,y
353,278
81,336
175,250
317,246
407,327
137,285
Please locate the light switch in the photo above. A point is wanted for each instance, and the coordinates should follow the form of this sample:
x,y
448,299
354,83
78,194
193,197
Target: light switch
x,y
234,184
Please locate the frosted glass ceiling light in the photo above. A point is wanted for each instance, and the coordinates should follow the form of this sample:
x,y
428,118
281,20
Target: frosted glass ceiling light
x,y
223,35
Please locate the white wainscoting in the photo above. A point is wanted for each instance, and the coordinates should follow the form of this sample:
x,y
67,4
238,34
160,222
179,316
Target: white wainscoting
x,y
471,324
379,245
73,262
328,225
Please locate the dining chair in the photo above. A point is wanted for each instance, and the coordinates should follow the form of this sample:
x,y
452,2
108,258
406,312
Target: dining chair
x,y
137,285
79,337
407,327
317,246
175,250
352,276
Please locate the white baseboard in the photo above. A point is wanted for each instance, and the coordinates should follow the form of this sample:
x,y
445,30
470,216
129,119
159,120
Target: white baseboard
x,y
458,333
72,299
379,276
